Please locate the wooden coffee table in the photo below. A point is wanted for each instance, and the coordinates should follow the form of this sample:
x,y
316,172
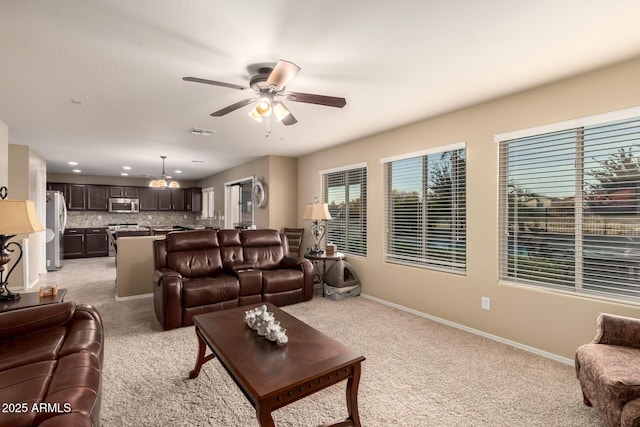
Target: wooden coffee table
x,y
270,375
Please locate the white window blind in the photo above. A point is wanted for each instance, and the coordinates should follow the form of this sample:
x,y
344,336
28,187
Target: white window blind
x,y
426,209
345,191
569,209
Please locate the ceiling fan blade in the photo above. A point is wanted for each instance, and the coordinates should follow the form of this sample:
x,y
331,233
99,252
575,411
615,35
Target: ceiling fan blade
x,y
282,74
213,82
309,98
233,107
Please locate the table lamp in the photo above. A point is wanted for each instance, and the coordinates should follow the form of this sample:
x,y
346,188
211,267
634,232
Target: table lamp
x,y
16,217
317,212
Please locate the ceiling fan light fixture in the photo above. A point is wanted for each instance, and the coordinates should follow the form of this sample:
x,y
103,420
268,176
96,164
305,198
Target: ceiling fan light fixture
x,y
280,110
264,107
255,115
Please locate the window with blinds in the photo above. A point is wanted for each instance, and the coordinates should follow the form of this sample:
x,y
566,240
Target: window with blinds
x,y
426,208
345,191
207,203
569,211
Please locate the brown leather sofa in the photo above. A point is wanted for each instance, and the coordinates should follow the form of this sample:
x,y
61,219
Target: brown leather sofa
x,y
207,270
51,359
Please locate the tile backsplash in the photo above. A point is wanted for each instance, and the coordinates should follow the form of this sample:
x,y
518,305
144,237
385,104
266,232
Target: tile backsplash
x,y
88,219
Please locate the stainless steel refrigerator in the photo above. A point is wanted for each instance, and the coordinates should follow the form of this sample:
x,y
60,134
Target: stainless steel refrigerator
x,y
56,222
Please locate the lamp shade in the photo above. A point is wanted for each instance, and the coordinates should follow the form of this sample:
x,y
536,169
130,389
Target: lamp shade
x,y
316,211
18,217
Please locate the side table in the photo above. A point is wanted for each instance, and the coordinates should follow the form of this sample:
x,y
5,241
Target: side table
x,y
32,299
318,275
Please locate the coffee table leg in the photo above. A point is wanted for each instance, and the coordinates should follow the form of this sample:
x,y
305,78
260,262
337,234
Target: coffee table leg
x,y
352,395
264,416
201,360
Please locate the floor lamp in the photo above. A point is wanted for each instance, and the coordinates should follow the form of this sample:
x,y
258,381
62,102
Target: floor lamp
x,y
16,217
317,212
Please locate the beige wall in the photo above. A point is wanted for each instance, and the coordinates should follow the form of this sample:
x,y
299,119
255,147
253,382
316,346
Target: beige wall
x,y
135,266
551,322
283,192
27,172
4,154
279,175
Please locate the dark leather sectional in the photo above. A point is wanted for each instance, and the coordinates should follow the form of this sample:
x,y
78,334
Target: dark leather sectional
x,y
208,270
51,359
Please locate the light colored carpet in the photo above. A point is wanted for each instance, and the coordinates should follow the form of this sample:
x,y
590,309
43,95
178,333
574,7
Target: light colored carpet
x,y
417,372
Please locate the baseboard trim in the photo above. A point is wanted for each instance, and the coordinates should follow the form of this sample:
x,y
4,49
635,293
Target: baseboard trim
x,y
515,344
133,297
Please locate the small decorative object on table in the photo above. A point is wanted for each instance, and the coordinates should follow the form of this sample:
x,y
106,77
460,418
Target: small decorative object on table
x,y
330,249
49,291
265,324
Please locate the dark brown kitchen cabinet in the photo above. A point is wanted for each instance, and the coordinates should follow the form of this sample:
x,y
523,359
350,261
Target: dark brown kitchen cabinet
x,y
96,197
96,242
171,199
148,199
178,199
85,242
73,243
124,192
75,199
194,199
54,186
164,199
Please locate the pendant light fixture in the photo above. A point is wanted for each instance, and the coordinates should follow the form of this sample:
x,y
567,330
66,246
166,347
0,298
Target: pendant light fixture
x,y
162,182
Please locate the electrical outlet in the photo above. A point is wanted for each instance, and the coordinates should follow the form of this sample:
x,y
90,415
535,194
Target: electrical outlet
x,y
486,303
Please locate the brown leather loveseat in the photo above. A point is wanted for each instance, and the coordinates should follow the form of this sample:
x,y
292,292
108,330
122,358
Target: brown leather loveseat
x,y
207,270
51,359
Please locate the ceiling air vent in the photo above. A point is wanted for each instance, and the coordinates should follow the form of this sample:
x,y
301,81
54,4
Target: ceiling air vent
x,y
201,132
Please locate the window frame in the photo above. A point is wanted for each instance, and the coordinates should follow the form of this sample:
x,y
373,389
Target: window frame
x,y
579,206
429,233
357,248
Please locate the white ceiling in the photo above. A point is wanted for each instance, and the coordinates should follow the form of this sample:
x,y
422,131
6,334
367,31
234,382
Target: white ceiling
x,y
395,61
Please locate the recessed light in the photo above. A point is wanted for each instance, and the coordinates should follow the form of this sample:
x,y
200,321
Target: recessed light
x,y
73,163
127,168
124,174
178,171
77,171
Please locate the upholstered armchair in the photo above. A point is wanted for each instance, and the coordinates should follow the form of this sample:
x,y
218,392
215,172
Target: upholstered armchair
x,y
608,369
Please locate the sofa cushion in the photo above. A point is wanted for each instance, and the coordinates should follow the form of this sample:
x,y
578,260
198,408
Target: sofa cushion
x,y
263,248
32,348
209,290
25,385
192,240
615,369
281,280
197,263
75,382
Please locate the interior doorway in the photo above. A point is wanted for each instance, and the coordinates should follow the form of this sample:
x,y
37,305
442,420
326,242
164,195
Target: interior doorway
x,y
239,203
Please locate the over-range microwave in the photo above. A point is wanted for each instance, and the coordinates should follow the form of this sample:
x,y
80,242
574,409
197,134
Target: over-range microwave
x,y
123,205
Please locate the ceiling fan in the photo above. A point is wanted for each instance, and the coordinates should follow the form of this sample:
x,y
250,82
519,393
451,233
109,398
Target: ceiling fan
x,y
269,84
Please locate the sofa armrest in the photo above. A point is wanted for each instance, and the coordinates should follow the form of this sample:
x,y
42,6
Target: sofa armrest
x,y
26,321
304,265
618,330
167,297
